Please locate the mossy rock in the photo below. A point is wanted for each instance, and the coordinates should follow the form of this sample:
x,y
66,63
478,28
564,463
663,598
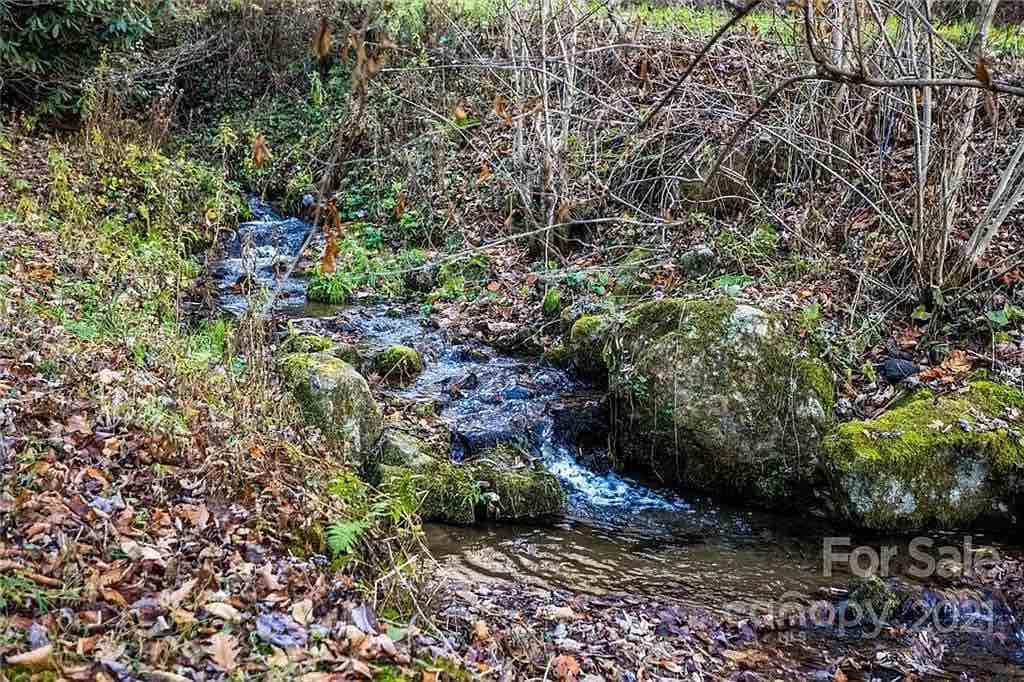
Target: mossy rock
x,y
954,461
306,343
585,345
719,397
486,488
398,363
404,449
336,398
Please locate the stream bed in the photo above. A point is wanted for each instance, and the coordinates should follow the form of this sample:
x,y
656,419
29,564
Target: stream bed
x,y
619,533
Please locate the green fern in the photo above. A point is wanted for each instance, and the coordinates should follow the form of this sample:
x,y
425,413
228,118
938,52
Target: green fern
x,y
342,536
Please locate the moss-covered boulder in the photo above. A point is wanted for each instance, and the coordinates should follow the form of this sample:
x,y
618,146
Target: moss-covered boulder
x,y
585,345
398,363
336,398
719,397
950,462
496,486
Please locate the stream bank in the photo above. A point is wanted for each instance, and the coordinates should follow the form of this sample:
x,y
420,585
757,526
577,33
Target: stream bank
x,y
616,534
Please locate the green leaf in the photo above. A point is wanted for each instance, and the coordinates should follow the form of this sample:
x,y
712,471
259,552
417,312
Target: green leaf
x,y
1000,318
342,536
921,313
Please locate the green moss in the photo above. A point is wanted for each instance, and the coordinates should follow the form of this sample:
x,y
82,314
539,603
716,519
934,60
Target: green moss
x,y
627,273
552,303
398,363
460,279
441,491
586,345
306,343
335,398
930,462
494,485
559,356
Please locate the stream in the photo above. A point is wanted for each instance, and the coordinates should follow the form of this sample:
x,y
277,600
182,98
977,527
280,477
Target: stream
x,y
619,533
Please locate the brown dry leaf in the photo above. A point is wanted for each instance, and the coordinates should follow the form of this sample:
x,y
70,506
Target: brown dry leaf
x,y
564,213
643,70
331,251
400,205
260,151
173,599
565,668
501,109
268,578
322,40
37,658
224,611
302,611
981,72
957,362
485,172
429,676
955,365
840,675
224,651
481,632
197,514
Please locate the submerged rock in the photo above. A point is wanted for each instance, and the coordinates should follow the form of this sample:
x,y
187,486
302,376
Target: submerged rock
x,y
498,485
336,398
398,363
949,462
719,397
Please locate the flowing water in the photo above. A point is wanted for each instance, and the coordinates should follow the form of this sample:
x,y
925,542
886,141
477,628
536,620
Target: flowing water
x,y
619,534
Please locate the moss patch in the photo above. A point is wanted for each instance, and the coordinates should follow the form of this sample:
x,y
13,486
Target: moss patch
x,y
398,363
497,485
585,345
306,343
552,303
950,462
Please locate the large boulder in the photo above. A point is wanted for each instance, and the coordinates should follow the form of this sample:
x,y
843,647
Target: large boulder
x,y
950,462
719,397
336,398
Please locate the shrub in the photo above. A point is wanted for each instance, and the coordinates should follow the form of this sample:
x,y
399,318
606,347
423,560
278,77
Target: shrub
x,y
47,48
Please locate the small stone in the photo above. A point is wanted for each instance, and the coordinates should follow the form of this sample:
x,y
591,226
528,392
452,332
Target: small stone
x,y
896,370
698,261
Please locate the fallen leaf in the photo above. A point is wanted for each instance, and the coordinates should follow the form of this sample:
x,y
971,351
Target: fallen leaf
x,y
481,632
322,40
302,611
37,658
224,651
224,611
565,668
981,71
